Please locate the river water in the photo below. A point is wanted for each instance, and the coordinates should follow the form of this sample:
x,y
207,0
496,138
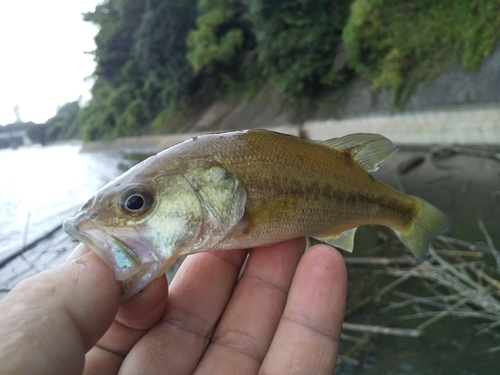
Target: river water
x,y
41,186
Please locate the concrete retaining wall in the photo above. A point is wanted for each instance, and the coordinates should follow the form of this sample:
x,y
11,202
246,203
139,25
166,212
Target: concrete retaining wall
x,y
464,126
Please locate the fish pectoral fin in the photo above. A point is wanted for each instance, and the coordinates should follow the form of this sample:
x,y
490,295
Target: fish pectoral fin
x,y
367,149
221,195
344,240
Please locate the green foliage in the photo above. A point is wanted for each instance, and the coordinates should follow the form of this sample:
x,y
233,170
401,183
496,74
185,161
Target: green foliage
x,y
296,41
480,32
159,61
64,125
160,50
171,119
218,36
141,64
117,21
133,118
397,44
97,118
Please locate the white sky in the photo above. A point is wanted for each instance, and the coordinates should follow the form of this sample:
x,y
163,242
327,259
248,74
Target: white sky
x,y
42,60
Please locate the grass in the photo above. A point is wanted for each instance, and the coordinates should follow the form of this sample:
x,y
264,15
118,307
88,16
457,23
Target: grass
x,y
397,44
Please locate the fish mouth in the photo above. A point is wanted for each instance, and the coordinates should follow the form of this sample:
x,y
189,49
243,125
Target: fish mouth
x,y
85,231
125,262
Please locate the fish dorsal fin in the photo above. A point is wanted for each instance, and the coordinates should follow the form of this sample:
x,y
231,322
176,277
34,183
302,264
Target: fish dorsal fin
x,y
367,149
344,240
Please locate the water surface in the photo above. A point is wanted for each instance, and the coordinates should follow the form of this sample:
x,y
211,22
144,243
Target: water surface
x,y
40,186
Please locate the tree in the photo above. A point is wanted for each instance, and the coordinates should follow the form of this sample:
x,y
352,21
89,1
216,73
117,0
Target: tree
x,y
64,125
296,41
141,65
397,44
160,50
218,37
117,21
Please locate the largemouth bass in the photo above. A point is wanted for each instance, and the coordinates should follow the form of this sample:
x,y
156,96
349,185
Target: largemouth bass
x,y
245,189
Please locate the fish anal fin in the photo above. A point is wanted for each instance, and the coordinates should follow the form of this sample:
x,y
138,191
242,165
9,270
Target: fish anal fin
x,y
344,240
366,149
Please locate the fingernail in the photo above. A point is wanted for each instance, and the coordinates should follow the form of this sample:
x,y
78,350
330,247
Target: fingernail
x,y
80,250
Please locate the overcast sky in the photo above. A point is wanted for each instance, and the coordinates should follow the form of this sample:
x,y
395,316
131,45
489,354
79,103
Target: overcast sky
x,y
42,60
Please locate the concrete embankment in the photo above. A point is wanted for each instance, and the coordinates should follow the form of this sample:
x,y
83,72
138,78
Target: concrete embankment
x,y
471,126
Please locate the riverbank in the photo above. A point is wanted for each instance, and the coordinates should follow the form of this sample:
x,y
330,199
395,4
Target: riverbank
x,y
466,126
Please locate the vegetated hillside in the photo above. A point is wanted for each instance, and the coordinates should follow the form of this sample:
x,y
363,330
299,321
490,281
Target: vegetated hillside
x,y
162,63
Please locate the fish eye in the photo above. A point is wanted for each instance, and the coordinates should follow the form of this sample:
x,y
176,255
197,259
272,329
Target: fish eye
x,y
136,201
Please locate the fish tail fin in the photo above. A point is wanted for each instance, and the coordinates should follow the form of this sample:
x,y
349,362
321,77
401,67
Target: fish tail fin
x,y
428,223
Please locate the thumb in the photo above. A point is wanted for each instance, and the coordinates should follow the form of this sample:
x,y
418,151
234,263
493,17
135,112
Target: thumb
x,y
49,321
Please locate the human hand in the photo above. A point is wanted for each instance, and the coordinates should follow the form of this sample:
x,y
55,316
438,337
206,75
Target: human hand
x,y
282,316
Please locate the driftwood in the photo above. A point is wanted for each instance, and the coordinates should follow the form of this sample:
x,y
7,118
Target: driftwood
x,y
467,245
409,164
458,282
404,332
379,261
343,360
446,152
471,290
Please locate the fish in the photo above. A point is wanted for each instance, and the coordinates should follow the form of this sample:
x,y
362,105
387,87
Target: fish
x,y
246,189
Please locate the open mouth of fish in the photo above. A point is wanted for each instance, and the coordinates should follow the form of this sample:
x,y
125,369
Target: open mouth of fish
x,y
124,261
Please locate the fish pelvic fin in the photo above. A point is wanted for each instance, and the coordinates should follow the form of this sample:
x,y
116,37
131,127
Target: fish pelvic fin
x,y
344,240
368,150
428,223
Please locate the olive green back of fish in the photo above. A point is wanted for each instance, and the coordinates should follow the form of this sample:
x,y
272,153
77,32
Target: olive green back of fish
x,y
296,187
